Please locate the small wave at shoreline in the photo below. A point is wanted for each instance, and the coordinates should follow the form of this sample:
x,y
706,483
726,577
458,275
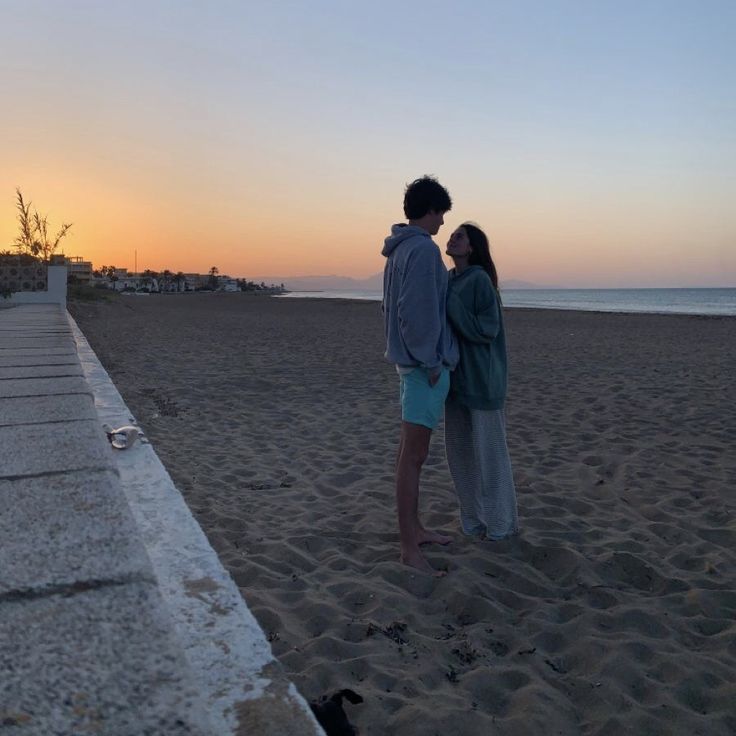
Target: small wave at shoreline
x,y
716,302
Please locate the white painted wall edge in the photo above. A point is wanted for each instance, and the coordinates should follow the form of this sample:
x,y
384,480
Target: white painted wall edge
x,y
55,292
227,650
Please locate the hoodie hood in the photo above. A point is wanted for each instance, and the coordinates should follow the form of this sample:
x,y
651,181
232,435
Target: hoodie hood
x,y
400,233
455,276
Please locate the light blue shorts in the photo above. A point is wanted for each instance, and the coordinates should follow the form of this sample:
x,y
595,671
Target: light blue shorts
x,y
421,403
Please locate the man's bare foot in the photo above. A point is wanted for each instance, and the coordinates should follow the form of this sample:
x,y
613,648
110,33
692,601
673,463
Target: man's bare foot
x,y
429,537
414,558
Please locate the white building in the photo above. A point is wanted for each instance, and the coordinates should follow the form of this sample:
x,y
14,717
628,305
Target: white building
x,y
228,284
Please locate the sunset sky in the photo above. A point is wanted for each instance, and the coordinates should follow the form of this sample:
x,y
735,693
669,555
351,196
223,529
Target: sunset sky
x,y
595,142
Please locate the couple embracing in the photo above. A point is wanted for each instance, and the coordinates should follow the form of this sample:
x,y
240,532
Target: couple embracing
x,y
445,334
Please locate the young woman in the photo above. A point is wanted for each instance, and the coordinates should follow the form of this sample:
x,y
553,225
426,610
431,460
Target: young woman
x,y
475,427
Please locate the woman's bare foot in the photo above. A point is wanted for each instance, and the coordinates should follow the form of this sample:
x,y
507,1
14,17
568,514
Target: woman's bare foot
x,y
414,558
429,537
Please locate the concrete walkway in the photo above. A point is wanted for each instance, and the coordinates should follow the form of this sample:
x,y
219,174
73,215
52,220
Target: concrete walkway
x,y
116,616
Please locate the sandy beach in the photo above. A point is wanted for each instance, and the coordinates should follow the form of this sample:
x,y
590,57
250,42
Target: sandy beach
x,y
613,612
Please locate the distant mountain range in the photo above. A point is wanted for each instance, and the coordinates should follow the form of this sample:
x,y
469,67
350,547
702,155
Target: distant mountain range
x,y
372,283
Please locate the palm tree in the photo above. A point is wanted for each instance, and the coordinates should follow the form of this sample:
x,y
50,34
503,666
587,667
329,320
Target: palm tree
x,y
109,272
213,277
147,278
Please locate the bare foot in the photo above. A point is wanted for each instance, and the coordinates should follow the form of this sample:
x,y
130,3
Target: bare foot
x,y
429,537
414,558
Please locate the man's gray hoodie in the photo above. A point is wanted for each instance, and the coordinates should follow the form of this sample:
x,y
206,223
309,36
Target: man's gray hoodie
x,y
414,296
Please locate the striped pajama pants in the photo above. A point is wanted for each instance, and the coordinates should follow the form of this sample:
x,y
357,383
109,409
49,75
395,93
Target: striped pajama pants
x,y
475,442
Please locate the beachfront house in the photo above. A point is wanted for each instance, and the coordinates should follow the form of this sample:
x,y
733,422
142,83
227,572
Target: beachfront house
x,y
121,280
78,269
225,283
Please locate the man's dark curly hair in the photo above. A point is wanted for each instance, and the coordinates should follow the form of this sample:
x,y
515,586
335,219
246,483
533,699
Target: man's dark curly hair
x,y
423,196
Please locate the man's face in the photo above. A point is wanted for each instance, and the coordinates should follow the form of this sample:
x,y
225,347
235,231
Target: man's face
x,y
436,221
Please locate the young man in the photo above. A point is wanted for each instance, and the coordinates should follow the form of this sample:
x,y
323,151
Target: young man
x,y
421,345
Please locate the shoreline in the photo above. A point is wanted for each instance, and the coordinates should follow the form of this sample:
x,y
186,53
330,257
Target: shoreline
x,y
304,296
613,610
534,308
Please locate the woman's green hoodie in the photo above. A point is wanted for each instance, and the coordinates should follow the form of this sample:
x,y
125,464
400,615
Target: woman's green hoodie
x,y
474,311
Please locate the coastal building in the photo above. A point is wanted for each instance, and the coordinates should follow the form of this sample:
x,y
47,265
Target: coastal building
x,y
122,280
78,269
227,284
191,281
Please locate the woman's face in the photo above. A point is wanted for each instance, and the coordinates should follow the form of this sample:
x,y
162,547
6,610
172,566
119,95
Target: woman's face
x,y
459,244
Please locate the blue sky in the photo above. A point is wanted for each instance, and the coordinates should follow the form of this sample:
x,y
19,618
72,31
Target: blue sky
x,y
595,142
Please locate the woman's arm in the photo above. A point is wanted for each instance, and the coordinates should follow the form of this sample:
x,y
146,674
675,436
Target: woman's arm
x,y
482,322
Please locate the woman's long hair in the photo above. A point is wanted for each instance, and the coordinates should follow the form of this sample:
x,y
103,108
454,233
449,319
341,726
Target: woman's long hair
x,y
481,253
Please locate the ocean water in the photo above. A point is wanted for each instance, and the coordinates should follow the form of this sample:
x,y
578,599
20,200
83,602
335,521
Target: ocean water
x,y
655,301
659,301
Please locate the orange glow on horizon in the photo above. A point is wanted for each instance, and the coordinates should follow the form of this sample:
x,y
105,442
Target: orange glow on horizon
x,y
253,233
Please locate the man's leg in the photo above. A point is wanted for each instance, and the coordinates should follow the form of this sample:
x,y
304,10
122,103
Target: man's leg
x,y
413,450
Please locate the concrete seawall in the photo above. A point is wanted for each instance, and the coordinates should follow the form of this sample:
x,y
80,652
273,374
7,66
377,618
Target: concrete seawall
x,y
116,616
